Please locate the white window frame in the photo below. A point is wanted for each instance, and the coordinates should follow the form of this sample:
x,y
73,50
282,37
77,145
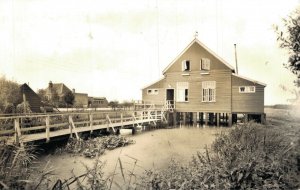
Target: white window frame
x,y
205,64
182,88
152,91
209,91
248,89
184,66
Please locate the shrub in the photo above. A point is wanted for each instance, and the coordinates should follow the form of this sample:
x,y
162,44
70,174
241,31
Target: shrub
x,y
250,156
14,165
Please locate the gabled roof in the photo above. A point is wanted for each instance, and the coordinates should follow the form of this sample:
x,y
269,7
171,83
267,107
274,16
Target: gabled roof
x,y
245,78
206,48
31,97
60,88
153,82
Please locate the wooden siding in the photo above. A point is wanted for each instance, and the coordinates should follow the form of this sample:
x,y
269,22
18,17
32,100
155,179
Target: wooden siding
x,y
195,104
194,54
247,102
155,98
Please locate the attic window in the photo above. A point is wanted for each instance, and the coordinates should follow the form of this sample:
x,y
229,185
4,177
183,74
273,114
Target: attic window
x,y
247,89
186,65
152,91
205,64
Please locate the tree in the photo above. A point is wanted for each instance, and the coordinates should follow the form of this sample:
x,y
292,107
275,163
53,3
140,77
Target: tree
x,y
69,98
127,104
289,39
42,94
113,104
9,93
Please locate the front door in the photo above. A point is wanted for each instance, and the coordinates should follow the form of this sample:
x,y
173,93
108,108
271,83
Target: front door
x,y
170,94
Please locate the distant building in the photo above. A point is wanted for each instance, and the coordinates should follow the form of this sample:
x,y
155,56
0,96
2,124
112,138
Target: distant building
x,y
54,89
98,102
31,97
80,99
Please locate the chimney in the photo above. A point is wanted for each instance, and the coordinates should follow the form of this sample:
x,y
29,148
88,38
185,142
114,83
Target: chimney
x,y
236,63
73,90
50,84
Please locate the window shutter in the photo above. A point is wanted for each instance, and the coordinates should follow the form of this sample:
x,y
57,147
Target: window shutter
x,y
181,91
205,64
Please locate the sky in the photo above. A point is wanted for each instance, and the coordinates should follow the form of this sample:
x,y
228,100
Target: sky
x,y
115,48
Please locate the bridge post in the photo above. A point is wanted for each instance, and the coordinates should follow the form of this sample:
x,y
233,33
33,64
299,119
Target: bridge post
x,y
70,126
17,130
121,120
91,122
47,128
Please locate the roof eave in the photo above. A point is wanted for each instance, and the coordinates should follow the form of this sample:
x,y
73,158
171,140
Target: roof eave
x,y
254,81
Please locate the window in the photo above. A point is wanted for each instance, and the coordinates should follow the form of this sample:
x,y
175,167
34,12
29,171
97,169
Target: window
x,y
182,91
186,65
152,91
247,89
209,91
205,64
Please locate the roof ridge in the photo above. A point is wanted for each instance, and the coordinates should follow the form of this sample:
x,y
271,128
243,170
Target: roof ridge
x,y
195,40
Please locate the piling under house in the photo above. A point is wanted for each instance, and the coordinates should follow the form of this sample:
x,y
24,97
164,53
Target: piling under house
x,y
200,87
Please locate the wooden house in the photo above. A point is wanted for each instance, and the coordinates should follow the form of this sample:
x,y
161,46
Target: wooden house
x,y
56,89
80,99
201,87
31,97
98,102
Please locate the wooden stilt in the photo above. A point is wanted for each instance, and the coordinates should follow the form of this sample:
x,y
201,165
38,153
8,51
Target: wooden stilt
x,y
197,119
201,118
194,119
184,118
263,118
246,118
229,119
223,119
206,118
218,119
174,119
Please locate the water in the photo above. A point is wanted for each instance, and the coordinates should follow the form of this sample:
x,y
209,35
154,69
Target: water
x,y
153,150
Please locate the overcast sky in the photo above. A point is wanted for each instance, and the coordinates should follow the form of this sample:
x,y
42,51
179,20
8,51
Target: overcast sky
x,y
114,48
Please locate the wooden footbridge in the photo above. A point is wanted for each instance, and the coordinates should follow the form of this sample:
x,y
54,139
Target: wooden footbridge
x,y
29,128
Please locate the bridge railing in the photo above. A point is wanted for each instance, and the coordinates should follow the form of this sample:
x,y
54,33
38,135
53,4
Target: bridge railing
x,y
14,127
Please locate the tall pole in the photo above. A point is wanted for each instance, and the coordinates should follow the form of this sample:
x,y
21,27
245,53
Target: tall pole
x,y
236,64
